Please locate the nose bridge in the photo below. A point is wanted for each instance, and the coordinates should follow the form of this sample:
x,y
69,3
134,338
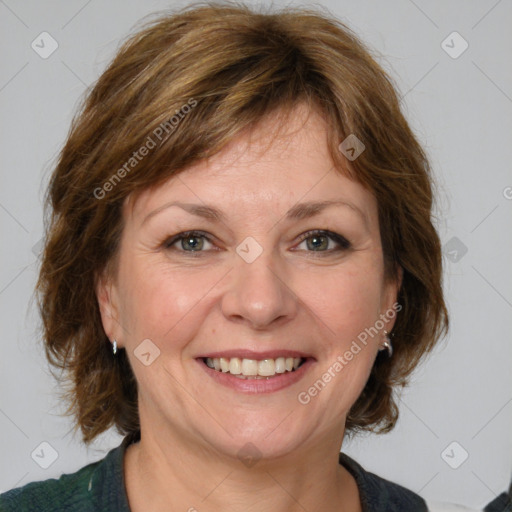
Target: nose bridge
x,y
258,292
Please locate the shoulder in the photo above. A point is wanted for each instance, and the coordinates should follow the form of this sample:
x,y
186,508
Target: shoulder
x,y
69,492
380,495
64,493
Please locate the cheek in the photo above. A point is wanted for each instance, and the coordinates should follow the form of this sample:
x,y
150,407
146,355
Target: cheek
x,y
347,301
162,303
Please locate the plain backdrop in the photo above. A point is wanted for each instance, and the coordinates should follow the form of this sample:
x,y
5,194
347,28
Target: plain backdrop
x,y
459,103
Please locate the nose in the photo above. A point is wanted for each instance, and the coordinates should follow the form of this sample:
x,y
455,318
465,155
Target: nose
x,y
259,294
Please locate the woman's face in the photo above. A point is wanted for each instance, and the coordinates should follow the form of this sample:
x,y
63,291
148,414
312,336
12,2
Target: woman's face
x,y
257,285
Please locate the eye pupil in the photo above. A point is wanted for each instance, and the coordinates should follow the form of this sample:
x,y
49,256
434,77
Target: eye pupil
x,y
318,242
192,242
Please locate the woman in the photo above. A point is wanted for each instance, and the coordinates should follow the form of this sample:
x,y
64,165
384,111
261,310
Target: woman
x,y
240,267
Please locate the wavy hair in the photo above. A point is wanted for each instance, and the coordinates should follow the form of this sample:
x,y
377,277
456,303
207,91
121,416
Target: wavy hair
x,y
238,65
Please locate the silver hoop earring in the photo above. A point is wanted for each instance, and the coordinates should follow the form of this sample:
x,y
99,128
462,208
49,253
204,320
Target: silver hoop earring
x,y
387,344
114,347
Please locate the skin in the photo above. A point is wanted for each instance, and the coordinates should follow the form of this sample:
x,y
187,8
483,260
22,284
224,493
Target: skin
x,y
293,296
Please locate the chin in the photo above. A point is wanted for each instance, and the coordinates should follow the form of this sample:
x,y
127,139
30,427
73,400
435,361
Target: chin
x,y
260,436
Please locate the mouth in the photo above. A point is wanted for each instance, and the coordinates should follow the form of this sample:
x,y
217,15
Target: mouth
x,y
249,369
251,372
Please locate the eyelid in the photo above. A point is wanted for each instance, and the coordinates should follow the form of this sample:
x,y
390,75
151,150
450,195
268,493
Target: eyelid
x,y
170,241
342,242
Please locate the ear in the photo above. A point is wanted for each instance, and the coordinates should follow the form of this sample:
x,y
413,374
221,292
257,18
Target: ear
x,y
399,279
390,302
107,296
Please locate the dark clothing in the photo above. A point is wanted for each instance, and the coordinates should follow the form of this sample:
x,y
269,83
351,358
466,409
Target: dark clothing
x,y
100,486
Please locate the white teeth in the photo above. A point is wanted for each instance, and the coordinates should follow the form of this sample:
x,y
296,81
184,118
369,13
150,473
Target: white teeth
x,y
235,366
249,367
266,368
253,367
224,364
280,366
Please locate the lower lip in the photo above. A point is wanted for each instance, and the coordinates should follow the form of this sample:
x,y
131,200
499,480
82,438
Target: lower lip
x,y
280,381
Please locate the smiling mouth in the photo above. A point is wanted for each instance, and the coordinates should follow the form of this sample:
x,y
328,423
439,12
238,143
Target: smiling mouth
x,y
253,368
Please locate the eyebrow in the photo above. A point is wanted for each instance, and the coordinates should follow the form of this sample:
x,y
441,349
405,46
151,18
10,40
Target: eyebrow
x,y
297,212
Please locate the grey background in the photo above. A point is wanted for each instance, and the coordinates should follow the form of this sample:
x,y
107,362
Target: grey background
x,y
461,110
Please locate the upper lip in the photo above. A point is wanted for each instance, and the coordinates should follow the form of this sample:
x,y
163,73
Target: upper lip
x,y
251,354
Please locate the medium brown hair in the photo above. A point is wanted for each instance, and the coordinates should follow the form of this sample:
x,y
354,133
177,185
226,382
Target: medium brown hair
x,y
233,66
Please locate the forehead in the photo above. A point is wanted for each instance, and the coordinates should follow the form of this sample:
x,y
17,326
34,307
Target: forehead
x,y
274,164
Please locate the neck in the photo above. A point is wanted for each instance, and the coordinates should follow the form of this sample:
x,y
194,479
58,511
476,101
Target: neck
x,y
169,469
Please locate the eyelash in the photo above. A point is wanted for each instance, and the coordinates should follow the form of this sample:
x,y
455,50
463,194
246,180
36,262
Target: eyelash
x,y
343,243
